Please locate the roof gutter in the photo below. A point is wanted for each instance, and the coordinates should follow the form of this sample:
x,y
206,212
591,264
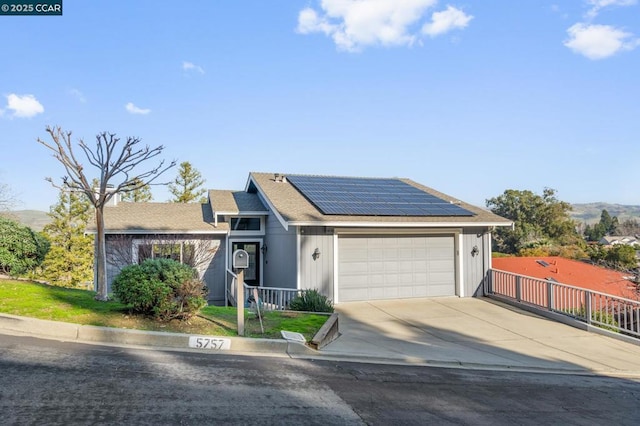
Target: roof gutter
x,y
157,232
401,224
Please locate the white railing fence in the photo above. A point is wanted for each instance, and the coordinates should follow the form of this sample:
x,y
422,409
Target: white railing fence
x,y
269,298
273,298
231,289
592,307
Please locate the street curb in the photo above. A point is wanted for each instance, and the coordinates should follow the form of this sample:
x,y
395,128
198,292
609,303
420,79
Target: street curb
x,y
242,345
94,334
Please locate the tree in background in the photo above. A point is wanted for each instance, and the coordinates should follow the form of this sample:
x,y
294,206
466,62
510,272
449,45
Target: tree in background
x,y
140,195
114,163
187,186
539,221
620,256
21,248
607,225
7,198
69,262
629,226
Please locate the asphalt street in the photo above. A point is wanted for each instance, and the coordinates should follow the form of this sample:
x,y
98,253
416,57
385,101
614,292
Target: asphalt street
x,y
51,382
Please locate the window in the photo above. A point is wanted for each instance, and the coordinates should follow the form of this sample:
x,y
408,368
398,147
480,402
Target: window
x,y
245,224
178,251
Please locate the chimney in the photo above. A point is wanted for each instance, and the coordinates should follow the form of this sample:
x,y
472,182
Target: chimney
x,y
114,200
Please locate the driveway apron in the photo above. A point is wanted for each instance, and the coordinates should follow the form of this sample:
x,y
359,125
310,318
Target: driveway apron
x,y
475,332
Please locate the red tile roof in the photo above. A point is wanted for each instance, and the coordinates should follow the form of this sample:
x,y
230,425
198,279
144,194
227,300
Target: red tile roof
x,y
571,272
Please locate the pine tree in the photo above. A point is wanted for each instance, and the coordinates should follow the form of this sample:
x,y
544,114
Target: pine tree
x,y
69,262
187,187
141,194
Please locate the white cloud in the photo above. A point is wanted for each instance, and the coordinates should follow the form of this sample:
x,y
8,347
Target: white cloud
x,y
190,66
135,110
445,21
355,24
78,95
23,106
599,41
598,5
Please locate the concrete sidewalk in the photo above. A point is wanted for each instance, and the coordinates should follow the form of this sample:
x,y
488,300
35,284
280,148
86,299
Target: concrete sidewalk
x,y
448,332
473,333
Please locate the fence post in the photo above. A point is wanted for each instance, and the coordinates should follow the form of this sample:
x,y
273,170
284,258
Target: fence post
x,y
240,303
587,306
550,299
519,288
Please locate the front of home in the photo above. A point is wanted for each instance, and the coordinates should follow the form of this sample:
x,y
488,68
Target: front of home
x,y
353,239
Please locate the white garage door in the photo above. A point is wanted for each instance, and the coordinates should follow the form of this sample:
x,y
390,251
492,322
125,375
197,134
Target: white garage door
x,y
394,267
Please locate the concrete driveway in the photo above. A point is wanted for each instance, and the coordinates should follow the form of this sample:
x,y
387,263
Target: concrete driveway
x,y
475,332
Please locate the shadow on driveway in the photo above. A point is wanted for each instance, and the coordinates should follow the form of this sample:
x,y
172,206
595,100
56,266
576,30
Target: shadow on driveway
x,y
475,332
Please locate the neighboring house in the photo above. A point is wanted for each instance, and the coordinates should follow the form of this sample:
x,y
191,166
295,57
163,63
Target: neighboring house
x,y
570,272
350,238
614,240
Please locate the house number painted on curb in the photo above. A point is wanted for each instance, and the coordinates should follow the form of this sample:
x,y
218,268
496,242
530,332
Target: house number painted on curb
x,y
214,343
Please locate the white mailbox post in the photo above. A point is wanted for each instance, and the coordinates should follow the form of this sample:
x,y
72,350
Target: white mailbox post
x,y
240,262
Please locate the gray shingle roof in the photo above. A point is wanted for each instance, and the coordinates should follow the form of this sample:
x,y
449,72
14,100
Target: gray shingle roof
x,y
235,202
160,218
296,209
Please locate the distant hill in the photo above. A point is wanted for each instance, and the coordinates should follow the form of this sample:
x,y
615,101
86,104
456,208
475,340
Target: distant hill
x,y
34,219
590,212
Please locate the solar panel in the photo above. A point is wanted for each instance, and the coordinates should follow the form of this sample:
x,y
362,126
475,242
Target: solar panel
x,y
371,197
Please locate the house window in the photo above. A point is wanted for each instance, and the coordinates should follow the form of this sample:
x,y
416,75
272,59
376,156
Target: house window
x,y
180,252
245,223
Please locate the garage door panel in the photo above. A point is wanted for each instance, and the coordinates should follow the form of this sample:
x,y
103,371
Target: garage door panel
x,y
356,267
388,267
439,265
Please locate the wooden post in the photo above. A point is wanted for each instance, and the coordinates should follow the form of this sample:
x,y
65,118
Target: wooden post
x,y
240,302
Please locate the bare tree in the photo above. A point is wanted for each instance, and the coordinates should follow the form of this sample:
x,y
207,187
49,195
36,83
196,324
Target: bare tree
x,y
7,198
193,251
115,163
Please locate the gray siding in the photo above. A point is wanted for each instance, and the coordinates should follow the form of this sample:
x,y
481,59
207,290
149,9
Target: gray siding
x,y
213,272
475,267
280,260
210,258
317,273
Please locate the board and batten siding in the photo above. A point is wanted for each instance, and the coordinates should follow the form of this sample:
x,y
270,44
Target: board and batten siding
x,y
317,273
279,262
120,253
475,266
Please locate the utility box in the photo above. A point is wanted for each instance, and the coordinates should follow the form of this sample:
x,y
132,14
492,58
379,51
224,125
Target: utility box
x,y
240,259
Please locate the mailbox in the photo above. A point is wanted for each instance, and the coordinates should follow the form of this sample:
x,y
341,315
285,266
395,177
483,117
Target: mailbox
x,y
240,259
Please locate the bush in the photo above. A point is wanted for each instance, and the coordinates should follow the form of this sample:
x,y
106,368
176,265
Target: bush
x,y
161,288
311,301
21,249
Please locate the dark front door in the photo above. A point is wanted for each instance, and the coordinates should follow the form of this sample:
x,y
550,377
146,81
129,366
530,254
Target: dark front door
x,y
252,273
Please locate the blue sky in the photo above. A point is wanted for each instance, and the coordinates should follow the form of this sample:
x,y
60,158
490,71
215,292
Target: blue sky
x,y
468,97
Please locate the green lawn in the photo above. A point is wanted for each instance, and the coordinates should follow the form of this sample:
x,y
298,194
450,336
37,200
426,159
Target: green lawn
x,y
79,306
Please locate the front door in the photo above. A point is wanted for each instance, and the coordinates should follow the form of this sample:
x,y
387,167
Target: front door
x,y
252,273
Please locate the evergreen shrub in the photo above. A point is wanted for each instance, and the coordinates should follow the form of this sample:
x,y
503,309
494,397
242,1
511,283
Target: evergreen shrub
x,y
161,288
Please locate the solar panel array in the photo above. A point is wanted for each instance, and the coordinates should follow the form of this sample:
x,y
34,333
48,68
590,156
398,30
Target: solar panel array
x,y
371,197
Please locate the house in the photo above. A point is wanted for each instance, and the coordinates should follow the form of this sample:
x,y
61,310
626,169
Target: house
x,y
351,238
622,239
570,272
